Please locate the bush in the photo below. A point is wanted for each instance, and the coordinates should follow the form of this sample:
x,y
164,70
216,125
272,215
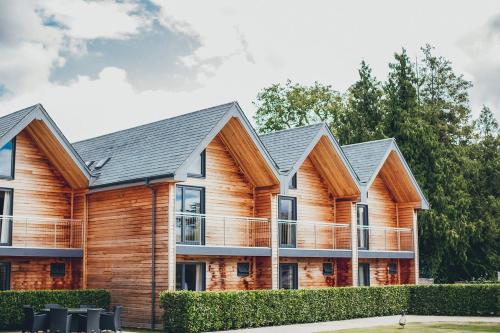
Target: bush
x,y
191,312
12,301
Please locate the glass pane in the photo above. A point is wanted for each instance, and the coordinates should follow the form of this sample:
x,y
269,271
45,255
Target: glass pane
x,y
195,168
4,276
5,223
286,209
178,199
178,276
192,201
287,277
190,277
6,160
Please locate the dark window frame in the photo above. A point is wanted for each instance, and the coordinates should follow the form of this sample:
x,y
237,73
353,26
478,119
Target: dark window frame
x,y
13,162
203,161
7,266
55,269
328,271
183,274
292,185
243,272
365,223
295,272
392,268
202,206
292,225
366,273
11,190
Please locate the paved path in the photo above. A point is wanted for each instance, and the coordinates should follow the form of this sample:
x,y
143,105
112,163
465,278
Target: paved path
x,y
360,323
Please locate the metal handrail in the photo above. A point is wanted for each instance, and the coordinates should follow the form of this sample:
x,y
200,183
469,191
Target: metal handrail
x,y
323,223
263,219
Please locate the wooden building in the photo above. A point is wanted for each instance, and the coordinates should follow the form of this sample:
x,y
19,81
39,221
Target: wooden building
x,y
201,202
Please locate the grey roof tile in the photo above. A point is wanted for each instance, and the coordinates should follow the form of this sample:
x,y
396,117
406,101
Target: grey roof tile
x,y
365,157
12,119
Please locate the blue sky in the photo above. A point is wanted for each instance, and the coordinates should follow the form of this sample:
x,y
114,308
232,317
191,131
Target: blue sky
x,y
103,66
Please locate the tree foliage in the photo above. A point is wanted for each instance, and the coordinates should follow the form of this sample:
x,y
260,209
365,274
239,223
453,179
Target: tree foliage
x,y
456,160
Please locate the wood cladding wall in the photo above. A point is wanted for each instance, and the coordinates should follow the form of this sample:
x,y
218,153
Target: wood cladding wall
x,y
379,271
310,272
34,273
119,248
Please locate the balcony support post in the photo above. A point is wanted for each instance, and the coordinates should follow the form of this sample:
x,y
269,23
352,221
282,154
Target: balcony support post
x,y
354,245
171,237
274,242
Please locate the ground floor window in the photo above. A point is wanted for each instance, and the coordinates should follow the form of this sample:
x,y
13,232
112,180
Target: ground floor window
x,y
364,274
4,276
190,276
289,276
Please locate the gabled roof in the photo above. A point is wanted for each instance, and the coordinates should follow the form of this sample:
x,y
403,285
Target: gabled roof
x,y
289,148
162,149
49,139
370,158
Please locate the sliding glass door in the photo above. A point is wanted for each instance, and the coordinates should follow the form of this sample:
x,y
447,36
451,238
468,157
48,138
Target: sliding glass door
x,y
287,220
190,276
190,205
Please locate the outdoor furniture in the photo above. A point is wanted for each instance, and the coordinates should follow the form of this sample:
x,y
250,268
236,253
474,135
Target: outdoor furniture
x,y
52,306
111,321
90,323
60,320
87,306
34,322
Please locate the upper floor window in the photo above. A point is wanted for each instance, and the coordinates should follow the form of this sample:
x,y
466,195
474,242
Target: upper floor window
x,y
363,231
293,182
7,160
197,167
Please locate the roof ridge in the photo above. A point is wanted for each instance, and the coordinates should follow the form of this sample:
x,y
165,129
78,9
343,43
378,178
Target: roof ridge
x,y
293,128
366,142
154,122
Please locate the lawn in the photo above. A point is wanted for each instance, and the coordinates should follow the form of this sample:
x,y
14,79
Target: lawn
x,y
427,328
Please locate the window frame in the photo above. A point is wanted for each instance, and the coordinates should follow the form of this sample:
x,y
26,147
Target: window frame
x,y
182,209
365,223
330,264
7,266
392,271
55,273
292,185
366,274
11,190
12,163
183,274
203,161
293,243
295,272
239,272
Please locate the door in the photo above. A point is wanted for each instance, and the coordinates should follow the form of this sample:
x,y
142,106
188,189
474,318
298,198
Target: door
x,y
190,205
363,231
289,276
190,276
364,274
287,219
4,276
6,217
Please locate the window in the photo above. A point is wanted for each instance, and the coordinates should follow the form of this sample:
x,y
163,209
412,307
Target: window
x,y
327,268
4,276
57,269
190,206
392,268
190,276
364,274
243,269
6,219
287,215
197,167
289,276
363,231
7,153
293,182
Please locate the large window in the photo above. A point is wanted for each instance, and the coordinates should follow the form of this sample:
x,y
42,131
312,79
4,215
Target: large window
x,y
190,206
4,276
287,215
190,276
7,160
363,231
197,167
293,182
364,274
289,276
5,219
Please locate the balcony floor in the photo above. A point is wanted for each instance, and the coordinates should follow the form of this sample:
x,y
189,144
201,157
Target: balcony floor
x,y
12,251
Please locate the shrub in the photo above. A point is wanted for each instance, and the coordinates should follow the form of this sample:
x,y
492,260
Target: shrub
x,y
12,301
191,312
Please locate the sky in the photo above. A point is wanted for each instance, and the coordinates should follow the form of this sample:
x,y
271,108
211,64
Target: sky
x,y
102,66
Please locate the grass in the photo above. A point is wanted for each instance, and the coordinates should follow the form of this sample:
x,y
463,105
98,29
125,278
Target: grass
x,y
428,328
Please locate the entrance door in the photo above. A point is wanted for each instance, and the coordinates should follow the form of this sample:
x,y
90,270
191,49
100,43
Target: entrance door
x,y
289,276
363,274
5,219
190,205
190,276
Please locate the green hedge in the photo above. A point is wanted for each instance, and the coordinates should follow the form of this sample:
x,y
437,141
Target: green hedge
x,y
11,302
192,312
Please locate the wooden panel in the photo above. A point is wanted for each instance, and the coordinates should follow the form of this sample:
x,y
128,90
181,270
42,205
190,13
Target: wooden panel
x,y
247,154
34,273
119,248
379,272
333,169
407,271
344,272
310,272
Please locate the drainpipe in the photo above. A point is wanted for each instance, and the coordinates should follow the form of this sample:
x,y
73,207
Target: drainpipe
x,y
153,254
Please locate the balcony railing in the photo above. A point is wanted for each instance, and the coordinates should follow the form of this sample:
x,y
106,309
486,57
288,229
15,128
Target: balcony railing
x,y
39,232
314,235
385,238
217,230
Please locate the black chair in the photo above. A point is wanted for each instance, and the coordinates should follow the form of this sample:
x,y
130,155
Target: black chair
x,y
60,320
111,321
52,306
90,323
34,322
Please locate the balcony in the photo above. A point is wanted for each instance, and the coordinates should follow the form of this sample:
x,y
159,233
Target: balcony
x,y
314,239
222,235
37,236
385,242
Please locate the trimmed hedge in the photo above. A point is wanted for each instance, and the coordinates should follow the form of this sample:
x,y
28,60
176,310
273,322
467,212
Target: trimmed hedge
x,y
192,312
12,301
